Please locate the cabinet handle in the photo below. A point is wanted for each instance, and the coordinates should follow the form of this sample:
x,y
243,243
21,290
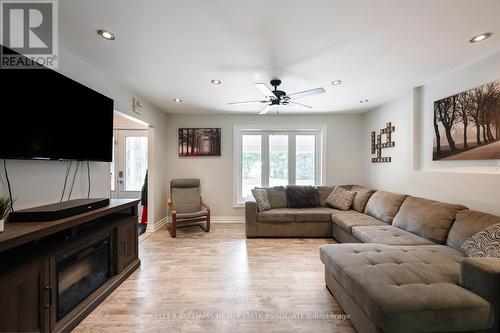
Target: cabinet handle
x,y
123,248
49,289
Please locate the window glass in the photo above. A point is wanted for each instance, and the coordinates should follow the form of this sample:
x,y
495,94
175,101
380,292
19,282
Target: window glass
x,y
136,162
278,160
251,164
305,159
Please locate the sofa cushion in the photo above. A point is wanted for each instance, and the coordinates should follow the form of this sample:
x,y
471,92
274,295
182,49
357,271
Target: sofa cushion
x,y
389,235
276,196
289,215
340,198
302,196
323,193
276,215
361,198
485,243
427,218
316,214
407,288
468,223
384,205
351,218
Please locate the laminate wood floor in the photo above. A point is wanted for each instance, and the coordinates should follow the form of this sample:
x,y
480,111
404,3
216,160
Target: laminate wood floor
x,y
222,282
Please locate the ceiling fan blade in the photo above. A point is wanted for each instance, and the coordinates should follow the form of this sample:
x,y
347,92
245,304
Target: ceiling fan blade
x,y
268,108
264,89
300,104
247,102
307,93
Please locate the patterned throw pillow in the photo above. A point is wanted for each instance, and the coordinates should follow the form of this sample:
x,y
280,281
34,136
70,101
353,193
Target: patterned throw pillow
x,y
340,198
260,195
485,243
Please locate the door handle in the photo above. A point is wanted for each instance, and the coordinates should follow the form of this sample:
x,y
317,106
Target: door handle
x,y
49,290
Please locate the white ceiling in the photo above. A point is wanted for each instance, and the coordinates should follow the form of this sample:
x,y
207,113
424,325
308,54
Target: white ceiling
x,y
379,49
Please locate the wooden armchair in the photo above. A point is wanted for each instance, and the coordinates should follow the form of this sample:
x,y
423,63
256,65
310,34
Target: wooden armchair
x,y
186,206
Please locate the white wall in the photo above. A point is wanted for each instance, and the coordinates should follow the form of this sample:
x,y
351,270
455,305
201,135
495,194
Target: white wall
x,y
475,184
125,122
216,173
41,182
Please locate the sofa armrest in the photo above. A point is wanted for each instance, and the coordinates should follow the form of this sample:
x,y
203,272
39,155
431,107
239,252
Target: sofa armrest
x,y
482,277
251,218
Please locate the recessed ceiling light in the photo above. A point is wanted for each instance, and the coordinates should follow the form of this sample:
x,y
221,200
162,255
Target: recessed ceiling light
x,y
481,37
363,101
177,100
216,82
336,82
106,34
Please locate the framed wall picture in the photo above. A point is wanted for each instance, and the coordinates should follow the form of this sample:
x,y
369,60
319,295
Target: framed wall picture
x,y
467,124
199,142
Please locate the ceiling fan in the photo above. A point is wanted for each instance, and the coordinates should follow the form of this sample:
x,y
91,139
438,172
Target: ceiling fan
x,y
276,97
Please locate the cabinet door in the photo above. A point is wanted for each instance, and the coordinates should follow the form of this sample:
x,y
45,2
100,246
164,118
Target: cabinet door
x,y
127,244
26,298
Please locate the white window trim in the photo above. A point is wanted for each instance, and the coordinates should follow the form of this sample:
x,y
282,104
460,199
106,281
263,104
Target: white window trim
x,y
239,130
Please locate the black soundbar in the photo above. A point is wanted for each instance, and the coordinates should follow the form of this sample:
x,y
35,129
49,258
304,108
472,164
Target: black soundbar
x,y
57,211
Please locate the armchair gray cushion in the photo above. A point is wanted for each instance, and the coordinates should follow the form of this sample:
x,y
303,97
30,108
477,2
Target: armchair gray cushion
x,y
186,195
185,182
182,216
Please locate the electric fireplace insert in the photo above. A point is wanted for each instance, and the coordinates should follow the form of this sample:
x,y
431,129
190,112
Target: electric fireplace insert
x,y
80,271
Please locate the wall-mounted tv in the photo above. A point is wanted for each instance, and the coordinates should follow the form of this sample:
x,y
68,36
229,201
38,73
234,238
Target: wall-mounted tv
x,y
45,115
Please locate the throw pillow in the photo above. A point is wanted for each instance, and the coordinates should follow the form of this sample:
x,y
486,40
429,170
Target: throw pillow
x,y
276,196
260,195
340,198
485,243
302,196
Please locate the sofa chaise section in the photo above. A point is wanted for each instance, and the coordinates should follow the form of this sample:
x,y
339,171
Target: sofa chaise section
x,y
403,289
427,286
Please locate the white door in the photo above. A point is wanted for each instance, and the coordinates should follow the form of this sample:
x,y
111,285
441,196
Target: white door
x,y
130,163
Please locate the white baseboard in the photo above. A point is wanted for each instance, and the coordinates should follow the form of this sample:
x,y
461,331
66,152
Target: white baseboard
x,y
157,225
227,219
213,219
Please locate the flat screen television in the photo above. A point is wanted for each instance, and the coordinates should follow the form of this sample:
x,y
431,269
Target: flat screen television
x,y
46,115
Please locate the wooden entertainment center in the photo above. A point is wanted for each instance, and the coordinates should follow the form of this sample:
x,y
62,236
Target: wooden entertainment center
x,y
53,274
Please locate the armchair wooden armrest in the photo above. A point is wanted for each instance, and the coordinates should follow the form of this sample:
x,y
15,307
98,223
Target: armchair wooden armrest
x,y
205,205
171,206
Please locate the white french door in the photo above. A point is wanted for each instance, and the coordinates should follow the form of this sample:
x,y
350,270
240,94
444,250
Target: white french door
x,y
130,163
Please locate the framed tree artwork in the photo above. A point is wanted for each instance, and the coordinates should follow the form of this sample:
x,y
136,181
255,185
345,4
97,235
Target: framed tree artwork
x,y
467,124
199,142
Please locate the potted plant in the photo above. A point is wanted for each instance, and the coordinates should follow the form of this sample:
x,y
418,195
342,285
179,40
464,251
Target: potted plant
x,y
5,206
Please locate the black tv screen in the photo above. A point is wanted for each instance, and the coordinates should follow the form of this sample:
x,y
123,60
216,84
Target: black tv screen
x,y
46,115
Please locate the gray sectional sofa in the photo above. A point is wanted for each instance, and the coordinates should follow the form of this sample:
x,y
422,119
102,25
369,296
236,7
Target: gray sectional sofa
x,y
400,267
